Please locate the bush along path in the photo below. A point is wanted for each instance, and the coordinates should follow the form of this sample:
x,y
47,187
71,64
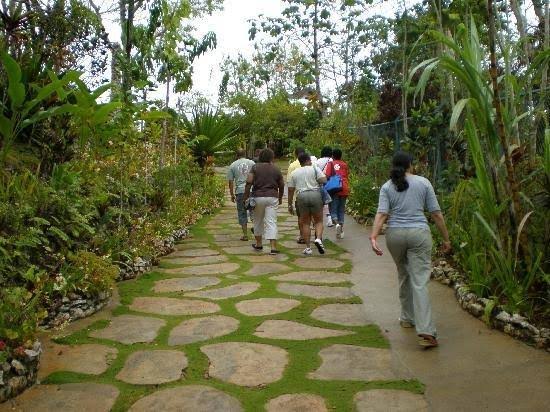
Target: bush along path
x,y
220,327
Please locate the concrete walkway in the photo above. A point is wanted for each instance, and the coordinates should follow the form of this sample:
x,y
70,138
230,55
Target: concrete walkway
x,y
474,368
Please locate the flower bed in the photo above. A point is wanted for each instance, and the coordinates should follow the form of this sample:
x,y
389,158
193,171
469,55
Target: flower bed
x,y
18,369
514,325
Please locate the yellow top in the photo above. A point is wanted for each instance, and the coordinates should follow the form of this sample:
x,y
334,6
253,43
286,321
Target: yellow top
x,y
291,168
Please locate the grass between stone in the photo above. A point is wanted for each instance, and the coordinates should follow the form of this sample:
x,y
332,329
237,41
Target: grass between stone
x,y
303,355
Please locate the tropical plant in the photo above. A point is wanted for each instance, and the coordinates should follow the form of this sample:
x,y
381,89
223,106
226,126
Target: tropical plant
x,y
209,132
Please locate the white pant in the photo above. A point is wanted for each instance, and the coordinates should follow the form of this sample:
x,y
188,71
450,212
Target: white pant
x,y
265,217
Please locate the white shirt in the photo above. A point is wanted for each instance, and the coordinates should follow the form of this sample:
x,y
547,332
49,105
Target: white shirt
x,y
306,178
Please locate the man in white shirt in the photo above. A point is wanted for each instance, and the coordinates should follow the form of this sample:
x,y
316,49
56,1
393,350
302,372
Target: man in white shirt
x,y
236,177
305,183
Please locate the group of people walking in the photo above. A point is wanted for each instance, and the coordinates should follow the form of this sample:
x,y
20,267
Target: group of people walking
x,y
403,201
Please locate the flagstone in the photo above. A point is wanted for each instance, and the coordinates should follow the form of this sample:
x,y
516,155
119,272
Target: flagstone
x,y
259,269
234,243
314,277
185,284
153,367
194,253
191,245
245,249
341,314
382,400
200,329
190,398
266,306
190,261
69,397
129,329
246,364
238,289
285,329
297,402
89,359
234,277
265,258
314,262
214,269
316,292
292,244
224,237
172,306
354,363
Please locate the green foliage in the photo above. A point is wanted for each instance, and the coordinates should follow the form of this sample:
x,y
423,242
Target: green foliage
x,y
363,200
87,273
209,132
20,314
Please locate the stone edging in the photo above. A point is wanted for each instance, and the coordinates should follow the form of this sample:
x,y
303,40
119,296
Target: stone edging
x,y
77,306
163,247
18,373
514,325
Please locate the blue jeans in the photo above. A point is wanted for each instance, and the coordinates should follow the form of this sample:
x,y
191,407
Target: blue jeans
x,y
338,208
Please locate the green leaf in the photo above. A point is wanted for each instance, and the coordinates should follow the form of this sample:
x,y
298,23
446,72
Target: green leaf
x,y
16,89
457,111
6,127
104,111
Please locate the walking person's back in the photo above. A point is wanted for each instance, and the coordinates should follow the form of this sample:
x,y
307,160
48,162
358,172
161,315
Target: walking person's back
x,y
403,200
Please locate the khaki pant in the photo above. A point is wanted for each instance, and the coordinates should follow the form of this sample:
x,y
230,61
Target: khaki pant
x,y
265,217
411,250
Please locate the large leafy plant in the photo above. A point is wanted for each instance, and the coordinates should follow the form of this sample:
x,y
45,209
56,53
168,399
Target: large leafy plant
x,y
209,132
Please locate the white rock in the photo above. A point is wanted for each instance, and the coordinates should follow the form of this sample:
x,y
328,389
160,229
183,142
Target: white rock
x,y
18,367
31,354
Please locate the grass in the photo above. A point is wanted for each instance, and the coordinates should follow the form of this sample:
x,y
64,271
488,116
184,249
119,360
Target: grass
x,y
303,355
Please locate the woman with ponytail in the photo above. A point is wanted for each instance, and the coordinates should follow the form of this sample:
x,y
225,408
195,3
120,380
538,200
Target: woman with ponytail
x,y
403,200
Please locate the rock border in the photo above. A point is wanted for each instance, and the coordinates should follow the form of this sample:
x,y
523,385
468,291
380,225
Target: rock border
x,y
496,317
19,373
142,265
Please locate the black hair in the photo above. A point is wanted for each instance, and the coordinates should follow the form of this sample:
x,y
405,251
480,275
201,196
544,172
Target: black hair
x,y
299,150
303,158
326,151
266,156
337,154
400,163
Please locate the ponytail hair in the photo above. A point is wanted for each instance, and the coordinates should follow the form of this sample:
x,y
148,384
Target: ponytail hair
x,y
400,164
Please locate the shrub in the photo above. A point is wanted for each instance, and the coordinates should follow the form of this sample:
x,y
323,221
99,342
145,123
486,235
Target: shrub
x,y
363,200
88,273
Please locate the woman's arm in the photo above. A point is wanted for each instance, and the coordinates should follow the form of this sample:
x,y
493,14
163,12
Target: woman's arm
x,y
439,221
379,221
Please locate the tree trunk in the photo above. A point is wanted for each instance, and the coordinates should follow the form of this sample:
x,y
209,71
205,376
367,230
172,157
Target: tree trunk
x,y
316,59
164,137
404,108
513,187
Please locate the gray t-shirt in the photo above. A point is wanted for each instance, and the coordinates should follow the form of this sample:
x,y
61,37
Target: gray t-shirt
x,y
406,209
238,171
306,178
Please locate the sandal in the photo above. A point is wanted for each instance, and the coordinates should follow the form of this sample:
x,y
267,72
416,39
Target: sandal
x,y
244,238
274,252
301,241
258,248
428,341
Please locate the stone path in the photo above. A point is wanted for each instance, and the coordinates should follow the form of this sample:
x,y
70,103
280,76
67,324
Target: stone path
x,y
220,327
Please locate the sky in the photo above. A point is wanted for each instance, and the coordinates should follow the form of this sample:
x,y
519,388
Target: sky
x,y
231,28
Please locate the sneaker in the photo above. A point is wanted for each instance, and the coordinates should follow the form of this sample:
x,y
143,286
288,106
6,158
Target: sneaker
x,y
330,223
338,231
307,251
320,246
342,234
